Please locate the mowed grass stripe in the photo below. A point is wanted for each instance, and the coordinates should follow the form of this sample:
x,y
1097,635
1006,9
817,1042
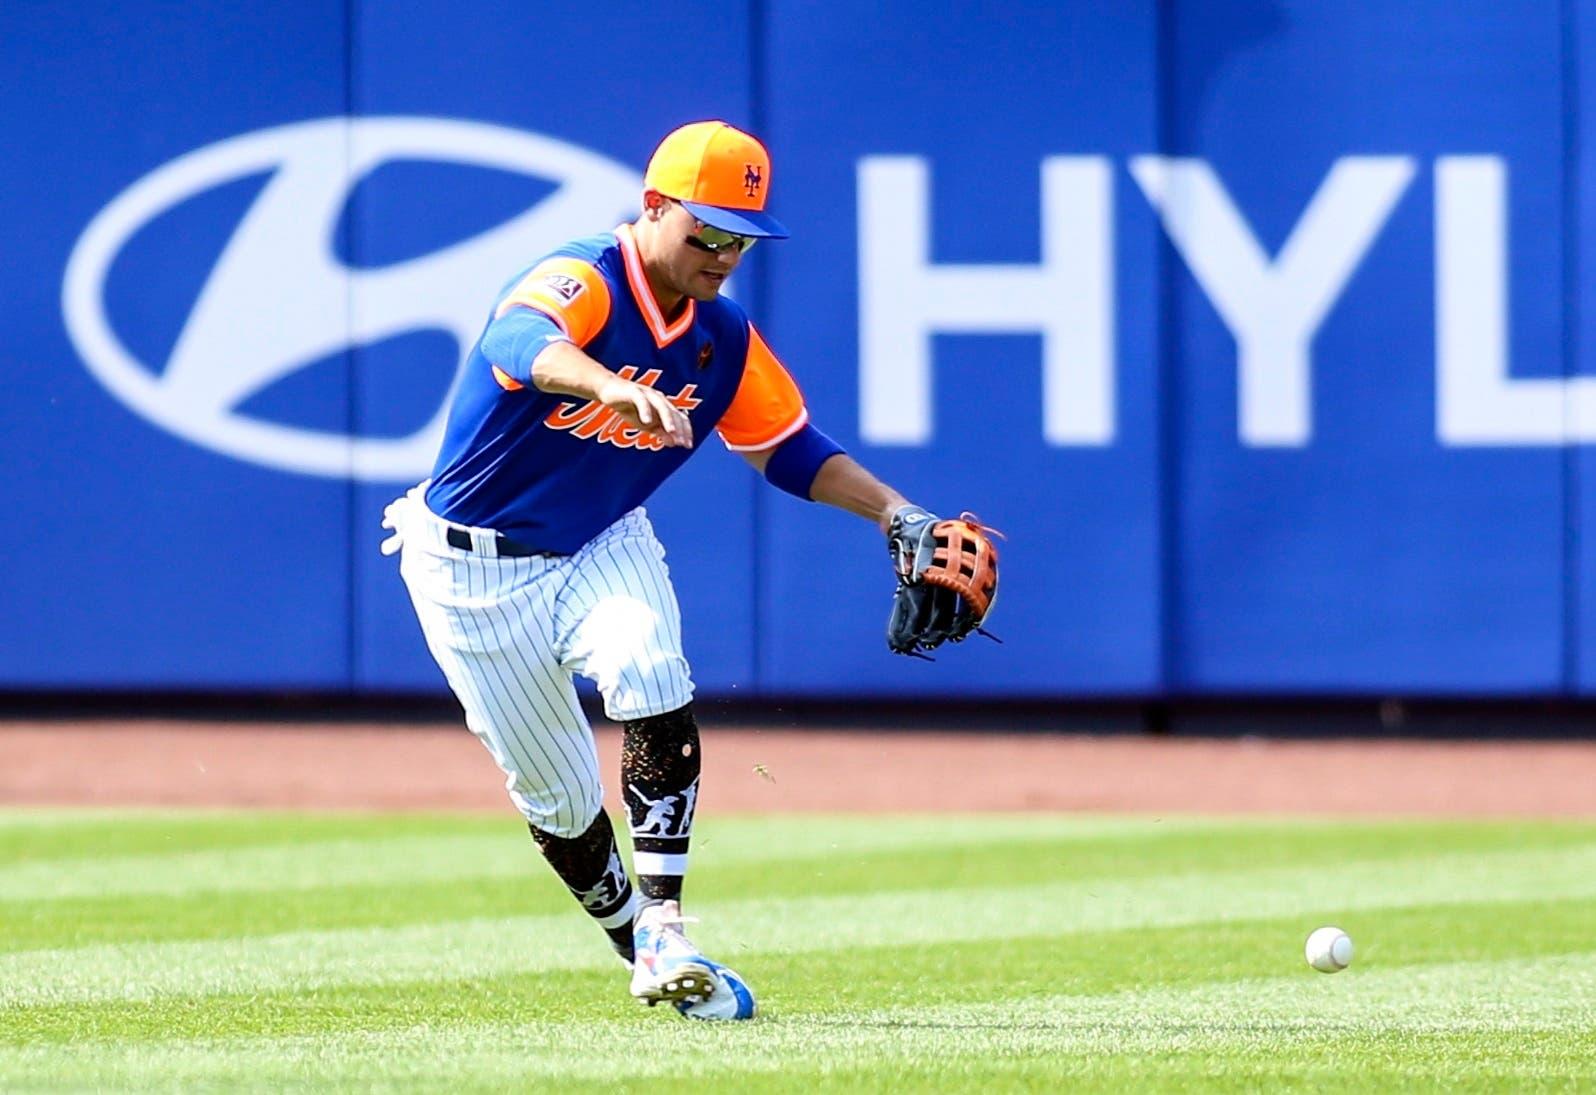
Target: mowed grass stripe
x,y
520,885
273,867
826,853
72,838
379,857
81,922
1504,994
531,889
1510,1019
487,947
915,975
248,851
90,835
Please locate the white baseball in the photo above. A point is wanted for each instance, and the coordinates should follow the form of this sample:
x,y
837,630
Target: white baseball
x,y
1329,950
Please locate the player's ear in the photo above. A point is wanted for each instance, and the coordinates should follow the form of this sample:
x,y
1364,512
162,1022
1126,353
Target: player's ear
x,y
654,204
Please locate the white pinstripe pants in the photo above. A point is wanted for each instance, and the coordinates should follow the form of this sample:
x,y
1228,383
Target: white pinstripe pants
x,y
511,633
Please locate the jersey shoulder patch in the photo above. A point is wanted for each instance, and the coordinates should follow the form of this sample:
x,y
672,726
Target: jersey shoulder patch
x,y
564,286
568,290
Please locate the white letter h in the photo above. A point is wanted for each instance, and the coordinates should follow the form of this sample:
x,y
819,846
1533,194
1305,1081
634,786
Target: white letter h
x,y
904,298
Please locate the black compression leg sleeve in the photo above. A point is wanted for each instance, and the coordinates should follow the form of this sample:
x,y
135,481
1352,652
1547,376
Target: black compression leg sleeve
x,y
591,868
659,782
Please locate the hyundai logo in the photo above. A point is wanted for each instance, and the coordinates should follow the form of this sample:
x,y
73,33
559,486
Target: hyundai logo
x,y
277,298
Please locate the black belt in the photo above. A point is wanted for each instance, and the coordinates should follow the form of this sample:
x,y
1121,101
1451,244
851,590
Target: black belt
x,y
502,545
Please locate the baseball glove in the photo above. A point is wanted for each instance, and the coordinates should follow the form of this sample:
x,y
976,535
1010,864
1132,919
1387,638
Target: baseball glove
x,y
947,579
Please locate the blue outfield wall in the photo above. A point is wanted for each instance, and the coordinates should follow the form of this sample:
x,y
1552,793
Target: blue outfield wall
x,y
1258,327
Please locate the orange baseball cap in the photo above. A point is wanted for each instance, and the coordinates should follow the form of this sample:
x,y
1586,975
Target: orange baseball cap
x,y
720,175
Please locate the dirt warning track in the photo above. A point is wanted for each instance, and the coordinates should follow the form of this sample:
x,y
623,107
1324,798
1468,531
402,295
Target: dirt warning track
x,y
753,769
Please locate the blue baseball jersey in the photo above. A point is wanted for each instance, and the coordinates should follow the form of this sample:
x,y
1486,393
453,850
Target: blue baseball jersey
x,y
552,471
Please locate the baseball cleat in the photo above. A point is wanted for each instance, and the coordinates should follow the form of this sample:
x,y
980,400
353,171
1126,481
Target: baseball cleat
x,y
668,967
731,1000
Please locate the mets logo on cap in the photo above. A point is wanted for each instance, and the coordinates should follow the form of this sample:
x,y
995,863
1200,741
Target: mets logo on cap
x,y
720,174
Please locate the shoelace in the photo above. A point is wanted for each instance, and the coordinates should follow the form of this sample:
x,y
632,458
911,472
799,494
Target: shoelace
x,y
674,922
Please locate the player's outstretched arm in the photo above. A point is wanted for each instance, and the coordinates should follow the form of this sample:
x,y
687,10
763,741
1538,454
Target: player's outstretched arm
x,y
844,483
947,570
563,369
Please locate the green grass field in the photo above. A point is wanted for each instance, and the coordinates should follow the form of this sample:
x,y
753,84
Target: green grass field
x,y
272,951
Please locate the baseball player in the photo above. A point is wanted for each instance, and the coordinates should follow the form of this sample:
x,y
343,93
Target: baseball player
x,y
529,558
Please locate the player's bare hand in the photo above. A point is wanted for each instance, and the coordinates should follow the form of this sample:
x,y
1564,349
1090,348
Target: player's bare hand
x,y
648,410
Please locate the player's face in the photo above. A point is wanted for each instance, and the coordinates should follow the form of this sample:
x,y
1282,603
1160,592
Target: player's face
x,y
699,258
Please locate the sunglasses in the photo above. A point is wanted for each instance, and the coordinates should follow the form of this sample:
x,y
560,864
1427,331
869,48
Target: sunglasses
x,y
708,238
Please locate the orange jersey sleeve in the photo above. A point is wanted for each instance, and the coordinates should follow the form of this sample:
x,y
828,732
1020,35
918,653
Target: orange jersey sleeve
x,y
568,291
768,408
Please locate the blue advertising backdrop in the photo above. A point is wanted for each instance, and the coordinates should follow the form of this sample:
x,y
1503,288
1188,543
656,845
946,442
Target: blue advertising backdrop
x,y
1256,326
